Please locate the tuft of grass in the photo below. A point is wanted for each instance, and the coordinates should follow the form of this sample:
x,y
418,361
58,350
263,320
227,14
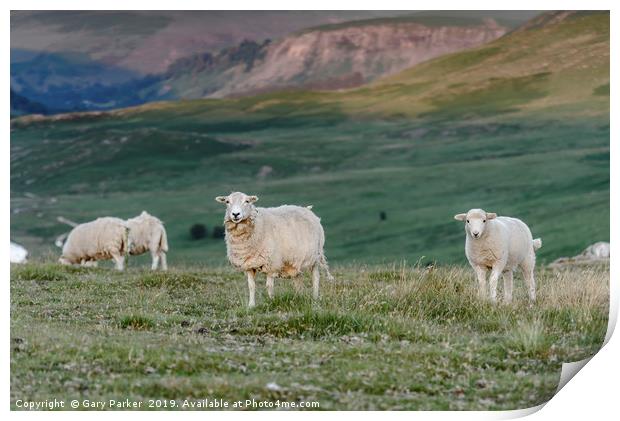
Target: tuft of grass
x,y
170,279
42,273
137,322
529,338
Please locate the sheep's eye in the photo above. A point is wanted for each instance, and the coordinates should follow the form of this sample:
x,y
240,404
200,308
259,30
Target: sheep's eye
x,y
228,202
468,221
484,220
247,201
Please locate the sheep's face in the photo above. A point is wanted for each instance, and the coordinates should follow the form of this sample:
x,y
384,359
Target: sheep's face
x,y
475,221
239,206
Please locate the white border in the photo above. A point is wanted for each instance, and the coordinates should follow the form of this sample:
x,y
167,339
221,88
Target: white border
x,y
592,394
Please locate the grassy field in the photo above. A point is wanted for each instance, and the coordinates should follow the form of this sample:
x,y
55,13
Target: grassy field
x,y
552,174
381,337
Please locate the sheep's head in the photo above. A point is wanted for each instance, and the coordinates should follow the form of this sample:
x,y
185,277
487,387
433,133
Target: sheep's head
x,y
239,206
475,221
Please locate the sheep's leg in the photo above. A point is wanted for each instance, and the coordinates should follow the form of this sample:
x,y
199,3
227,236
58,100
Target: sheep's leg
x,y
508,286
481,274
496,271
251,287
164,263
316,277
270,285
155,259
119,261
527,269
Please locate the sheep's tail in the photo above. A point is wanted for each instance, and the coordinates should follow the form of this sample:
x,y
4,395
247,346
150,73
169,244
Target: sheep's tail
x,y
325,266
537,243
163,241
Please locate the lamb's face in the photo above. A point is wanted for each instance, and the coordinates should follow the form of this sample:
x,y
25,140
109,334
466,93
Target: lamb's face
x,y
475,222
239,206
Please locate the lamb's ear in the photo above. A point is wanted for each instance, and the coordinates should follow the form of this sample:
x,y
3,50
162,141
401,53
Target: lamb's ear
x,y
460,216
221,199
491,215
253,199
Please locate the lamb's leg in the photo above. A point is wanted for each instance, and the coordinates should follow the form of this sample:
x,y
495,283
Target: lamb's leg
x,y
270,285
508,286
316,277
496,271
164,263
251,287
481,274
119,261
155,258
527,268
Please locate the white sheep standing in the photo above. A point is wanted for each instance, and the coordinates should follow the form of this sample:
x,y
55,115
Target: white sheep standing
x,y
102,239
500,244
280,242
147,233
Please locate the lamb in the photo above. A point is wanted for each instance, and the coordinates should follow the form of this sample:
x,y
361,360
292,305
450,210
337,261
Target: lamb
x,y
280,242
147,233
102,239
501,244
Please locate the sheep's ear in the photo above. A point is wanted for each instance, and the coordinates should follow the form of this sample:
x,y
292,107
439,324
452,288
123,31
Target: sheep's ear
x,y
221,199
253,199
460,216
491,215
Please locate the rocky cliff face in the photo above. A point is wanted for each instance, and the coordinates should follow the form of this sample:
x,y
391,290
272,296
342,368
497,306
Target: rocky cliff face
x,y
341,56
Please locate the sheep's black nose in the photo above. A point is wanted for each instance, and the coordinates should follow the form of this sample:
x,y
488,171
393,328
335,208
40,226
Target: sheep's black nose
x,y
236,215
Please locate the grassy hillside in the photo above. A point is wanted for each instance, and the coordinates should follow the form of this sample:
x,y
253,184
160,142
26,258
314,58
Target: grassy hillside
x,y
393,337
560,64
519,127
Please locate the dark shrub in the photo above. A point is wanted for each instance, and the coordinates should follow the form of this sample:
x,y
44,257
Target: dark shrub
x,y
198,231
382,215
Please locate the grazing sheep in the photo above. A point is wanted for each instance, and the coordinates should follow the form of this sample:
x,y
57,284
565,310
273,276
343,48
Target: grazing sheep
x,y
101,239
594,253
500,244
18,253
147,233
280,242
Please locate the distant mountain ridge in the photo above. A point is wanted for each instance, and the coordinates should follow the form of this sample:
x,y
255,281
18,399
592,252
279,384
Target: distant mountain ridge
x,y
21,105
330,57
335,55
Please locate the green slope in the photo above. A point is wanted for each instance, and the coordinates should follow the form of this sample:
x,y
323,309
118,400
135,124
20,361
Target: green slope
x,y
559,64
491,130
